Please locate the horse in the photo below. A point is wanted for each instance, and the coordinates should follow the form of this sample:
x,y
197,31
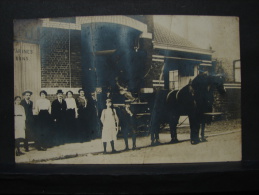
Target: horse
x,y
193,100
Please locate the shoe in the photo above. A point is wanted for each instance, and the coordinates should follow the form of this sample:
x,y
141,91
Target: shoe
x,y
114,151
19,153
26,150
126,149
158,142
41,149
153,143
174,141
194,142
203,139
134,148
104,152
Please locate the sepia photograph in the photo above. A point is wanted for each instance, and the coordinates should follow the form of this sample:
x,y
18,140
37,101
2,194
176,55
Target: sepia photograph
x,y
127,89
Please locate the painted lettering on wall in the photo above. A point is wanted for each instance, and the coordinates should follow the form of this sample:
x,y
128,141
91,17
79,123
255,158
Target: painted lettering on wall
x,y
25,51
22,54
21,58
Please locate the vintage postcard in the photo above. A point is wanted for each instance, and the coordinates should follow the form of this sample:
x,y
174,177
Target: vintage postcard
x,y
127,89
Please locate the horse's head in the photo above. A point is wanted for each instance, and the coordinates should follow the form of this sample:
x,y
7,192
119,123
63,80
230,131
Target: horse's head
x,y
217,82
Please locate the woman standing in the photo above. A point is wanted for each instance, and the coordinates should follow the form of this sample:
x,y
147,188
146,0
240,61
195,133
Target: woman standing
x,y
43,109
71,115
110,123
19,119
82,105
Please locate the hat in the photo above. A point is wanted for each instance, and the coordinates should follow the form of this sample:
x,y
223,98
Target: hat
x,y
60,91
27,92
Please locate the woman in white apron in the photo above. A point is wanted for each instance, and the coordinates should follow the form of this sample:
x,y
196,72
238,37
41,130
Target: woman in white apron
x,y
19,124
110,123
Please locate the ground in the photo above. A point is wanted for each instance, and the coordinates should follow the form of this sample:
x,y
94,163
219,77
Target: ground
x,y
224,144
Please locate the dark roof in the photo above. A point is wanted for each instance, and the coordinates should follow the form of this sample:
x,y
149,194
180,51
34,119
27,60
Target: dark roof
x,y
167,38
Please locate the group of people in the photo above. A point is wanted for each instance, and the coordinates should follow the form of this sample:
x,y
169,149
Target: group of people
x,y
69,120
112,122
62,121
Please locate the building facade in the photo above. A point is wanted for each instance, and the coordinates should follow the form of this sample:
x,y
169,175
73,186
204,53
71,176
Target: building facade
x,y
96,52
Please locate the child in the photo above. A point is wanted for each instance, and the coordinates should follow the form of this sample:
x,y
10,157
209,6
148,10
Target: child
x,y
110,123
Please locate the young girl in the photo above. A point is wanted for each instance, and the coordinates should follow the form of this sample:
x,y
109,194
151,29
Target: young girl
x,y
110,123
19,119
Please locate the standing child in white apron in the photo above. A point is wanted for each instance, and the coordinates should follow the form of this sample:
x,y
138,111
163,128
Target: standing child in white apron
x,y
19,127
110,123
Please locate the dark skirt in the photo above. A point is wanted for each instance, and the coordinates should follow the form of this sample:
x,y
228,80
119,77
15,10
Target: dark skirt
x,y
83,124
70,114
71,134
44,128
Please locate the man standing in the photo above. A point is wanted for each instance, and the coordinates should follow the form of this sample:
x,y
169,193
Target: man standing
x,y
28,106
128,125
159,115
58,112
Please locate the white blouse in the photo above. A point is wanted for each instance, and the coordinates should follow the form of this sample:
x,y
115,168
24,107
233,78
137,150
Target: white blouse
x,y
71,104
42,104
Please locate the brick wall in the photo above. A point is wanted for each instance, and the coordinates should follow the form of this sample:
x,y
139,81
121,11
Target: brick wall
x,y
56,45
75,58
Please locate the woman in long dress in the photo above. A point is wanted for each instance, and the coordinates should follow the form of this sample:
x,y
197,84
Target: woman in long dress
x,y
43,109
83,116
19,120
110,123
71,115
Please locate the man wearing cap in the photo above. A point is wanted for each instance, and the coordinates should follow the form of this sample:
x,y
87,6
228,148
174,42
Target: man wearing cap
x,y
58,112
128,125
28,106
202,100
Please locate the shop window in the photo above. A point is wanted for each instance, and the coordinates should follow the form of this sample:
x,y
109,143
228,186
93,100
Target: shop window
x,y
173,80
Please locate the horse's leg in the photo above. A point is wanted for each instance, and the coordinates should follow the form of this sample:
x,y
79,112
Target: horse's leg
x,y
202,130
154,130
173,121
152,133
194,126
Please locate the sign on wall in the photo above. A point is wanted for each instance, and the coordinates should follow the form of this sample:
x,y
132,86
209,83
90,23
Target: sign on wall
x,y
27,69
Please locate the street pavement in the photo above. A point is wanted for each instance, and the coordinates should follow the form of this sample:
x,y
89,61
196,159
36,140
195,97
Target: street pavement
x,y
220,147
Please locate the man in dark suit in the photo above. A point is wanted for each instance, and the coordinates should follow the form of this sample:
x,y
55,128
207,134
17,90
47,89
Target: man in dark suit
x,y
28,106
58,112
128,125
